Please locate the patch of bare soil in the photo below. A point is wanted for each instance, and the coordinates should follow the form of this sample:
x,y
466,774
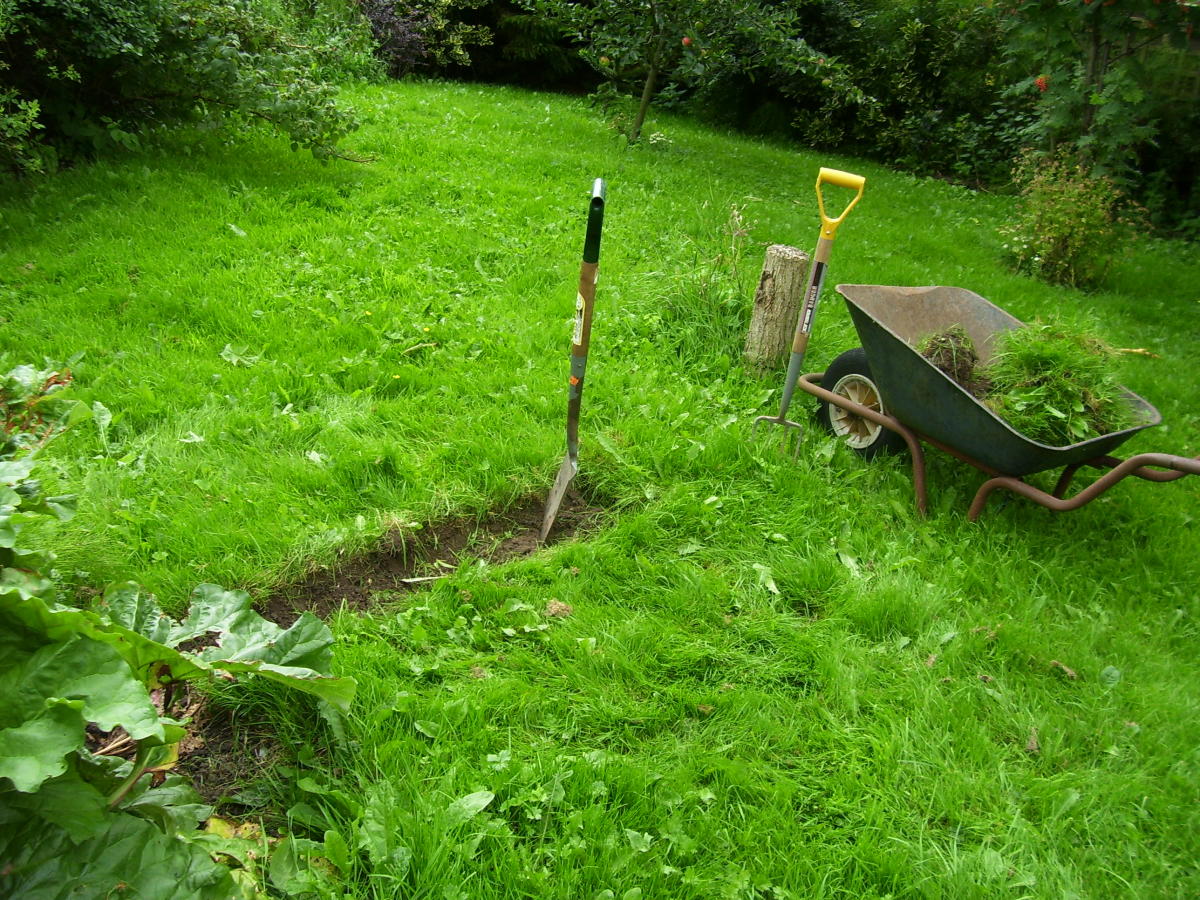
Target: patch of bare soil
x,y
221,754
407,560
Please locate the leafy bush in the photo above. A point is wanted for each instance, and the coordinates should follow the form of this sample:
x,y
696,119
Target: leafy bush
x,y
334,32
902,81
1070,223
1116,83
75,817
90,74
673,46
399,39
421,33
529,50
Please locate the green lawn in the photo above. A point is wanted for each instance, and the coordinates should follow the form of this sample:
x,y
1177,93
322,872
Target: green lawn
x,y
776,680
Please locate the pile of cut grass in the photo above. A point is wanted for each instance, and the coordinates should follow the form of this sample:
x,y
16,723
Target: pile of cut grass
x,y
1057,386
1050,382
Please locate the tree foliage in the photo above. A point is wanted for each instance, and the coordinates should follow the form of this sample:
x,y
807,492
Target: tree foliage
x,y
422,33
1116,82
685,44
79,75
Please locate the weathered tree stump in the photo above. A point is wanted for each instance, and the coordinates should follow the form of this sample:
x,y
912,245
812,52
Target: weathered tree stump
x,y
776,306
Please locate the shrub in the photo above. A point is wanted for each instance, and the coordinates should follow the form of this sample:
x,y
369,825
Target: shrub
x,y
673,47
1070,223
399,39
930,104
90,74
421,33
1116,82
334,32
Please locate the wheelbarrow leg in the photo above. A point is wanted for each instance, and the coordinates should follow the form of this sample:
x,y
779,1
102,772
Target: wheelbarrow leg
x,y
1064,480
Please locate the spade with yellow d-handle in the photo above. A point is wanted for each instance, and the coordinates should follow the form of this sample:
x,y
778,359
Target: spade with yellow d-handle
x,y
812,292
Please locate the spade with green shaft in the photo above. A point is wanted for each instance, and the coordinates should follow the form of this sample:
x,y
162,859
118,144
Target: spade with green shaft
x,y
584,301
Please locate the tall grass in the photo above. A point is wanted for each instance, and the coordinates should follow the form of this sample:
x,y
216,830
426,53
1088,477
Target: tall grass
x,y
776,680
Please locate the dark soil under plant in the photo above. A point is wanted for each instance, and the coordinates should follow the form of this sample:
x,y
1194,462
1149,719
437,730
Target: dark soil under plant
x,y
223,754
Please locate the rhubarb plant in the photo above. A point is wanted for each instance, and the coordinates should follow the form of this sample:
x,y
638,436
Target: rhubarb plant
x,y
76,820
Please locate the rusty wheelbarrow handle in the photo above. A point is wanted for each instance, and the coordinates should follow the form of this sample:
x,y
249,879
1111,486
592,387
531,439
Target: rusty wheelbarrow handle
x,y
1137,466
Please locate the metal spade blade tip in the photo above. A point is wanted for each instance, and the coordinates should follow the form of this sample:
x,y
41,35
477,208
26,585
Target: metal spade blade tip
x,y
566,472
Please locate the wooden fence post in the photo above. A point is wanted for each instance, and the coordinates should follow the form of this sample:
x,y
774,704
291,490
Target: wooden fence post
x,y
776,306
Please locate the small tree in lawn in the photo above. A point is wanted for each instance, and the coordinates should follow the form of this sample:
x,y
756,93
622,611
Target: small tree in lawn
x,y
685,43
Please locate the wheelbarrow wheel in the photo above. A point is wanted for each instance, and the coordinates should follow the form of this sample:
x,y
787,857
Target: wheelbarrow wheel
x,y
849,376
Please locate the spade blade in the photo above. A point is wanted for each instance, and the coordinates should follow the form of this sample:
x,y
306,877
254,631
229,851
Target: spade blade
x,y
566,472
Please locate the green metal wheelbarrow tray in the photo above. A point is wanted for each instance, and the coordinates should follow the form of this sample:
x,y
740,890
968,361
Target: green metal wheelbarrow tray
x,y
886,395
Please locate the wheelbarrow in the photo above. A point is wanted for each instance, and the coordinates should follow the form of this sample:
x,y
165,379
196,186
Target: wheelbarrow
x,y
885,395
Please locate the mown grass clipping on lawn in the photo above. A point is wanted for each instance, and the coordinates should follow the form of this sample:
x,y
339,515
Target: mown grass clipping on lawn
x,y
760,677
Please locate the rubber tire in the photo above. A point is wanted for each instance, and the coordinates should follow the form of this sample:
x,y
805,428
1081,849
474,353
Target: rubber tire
x,y
854,362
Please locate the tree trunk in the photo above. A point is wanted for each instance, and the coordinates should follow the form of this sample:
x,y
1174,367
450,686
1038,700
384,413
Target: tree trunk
x,y
776,306
647,93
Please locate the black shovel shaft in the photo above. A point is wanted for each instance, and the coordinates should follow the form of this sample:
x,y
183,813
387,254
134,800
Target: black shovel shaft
x,y
591,243
584,303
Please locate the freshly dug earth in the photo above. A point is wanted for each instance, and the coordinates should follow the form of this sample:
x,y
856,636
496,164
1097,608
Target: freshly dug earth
x,y
954,353
1049,382
407,560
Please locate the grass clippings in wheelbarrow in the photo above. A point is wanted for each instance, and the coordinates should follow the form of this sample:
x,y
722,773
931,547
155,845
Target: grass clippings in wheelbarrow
x,y
1049,382
954,353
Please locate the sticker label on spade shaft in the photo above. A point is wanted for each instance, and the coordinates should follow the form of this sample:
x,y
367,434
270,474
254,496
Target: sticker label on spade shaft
x,y
577,336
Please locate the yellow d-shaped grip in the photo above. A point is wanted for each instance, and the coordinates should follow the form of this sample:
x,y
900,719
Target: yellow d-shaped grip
x,y
837,178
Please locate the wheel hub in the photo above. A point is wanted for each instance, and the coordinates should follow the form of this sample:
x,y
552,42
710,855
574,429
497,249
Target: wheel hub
x,y
857,432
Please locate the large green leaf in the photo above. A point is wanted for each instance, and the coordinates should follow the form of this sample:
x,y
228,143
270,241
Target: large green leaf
x,y
173,805
214,610
299,656
22,584
126,604
129,858
82,669
50,695
68,801
37,748
339,692
13,471
59,623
